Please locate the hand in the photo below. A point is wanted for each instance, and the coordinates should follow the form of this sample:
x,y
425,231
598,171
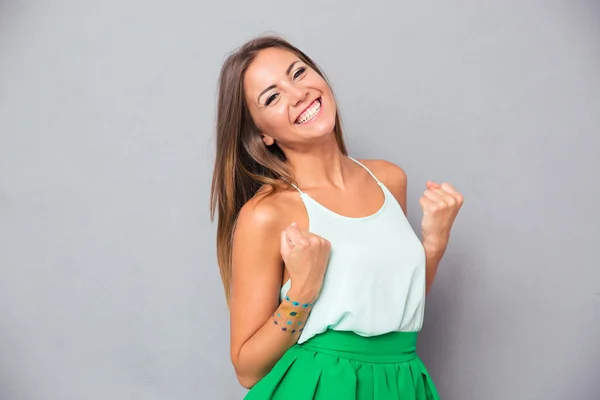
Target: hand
x,y
305,256
440,204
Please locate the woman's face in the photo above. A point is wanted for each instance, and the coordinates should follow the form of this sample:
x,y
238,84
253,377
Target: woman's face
x,y
289,101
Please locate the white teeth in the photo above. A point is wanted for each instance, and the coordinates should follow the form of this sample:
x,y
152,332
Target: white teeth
x,y
310,113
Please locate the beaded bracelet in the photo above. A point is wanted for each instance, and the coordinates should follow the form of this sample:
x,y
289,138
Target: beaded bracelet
x,y
291,315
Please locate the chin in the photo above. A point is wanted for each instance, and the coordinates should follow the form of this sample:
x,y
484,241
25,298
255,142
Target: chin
x,y
325,129
322,126
319,130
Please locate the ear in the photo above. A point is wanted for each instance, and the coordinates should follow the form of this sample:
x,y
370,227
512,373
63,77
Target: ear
x,y
267,140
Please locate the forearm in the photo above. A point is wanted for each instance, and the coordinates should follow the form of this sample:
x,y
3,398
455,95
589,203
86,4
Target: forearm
x,y
433,255
280,332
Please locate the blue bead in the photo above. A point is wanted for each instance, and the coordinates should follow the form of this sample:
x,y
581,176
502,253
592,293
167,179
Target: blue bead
x,y
284,329
293,313
295,303
299,323
289,322
279,315
287,298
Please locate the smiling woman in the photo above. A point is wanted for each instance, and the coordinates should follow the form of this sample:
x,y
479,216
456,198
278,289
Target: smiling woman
x,y
323,274
308,110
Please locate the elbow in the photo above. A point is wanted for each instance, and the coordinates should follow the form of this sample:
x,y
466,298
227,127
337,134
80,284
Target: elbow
x,y
247,375
247,382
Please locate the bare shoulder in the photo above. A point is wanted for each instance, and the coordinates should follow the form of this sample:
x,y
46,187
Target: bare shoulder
x,y
254,253
267,211
392,176
387,172
256,237
262,213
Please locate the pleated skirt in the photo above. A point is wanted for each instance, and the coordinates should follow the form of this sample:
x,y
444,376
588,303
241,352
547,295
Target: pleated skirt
x,y
345,366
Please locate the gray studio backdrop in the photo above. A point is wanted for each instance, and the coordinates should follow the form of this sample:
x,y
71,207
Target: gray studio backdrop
x,y
109,287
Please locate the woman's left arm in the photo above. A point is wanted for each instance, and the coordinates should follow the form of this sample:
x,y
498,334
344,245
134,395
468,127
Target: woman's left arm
x,y
440,204
433,256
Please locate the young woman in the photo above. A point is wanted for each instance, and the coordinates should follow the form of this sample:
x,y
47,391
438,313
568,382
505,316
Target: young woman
x,y
324,277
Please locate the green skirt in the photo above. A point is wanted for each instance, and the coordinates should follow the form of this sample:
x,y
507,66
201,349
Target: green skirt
x,y
345,366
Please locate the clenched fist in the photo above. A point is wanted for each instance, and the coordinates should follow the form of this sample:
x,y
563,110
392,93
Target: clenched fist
x,y
440,204
305,256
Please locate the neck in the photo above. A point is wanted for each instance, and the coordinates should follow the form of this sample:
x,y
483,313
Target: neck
x,y
320,166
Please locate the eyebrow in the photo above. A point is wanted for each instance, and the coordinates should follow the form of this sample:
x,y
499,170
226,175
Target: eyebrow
x,y
287,72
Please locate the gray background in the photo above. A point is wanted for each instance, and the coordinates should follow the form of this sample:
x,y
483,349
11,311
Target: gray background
x,y
109,287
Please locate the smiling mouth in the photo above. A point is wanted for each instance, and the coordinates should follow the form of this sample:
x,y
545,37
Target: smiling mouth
x,y
310,113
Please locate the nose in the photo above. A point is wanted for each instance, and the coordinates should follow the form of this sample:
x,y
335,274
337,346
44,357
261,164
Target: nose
x,y
297,94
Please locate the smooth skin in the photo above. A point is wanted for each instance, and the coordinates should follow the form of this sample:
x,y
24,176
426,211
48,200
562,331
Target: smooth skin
x,y
272,242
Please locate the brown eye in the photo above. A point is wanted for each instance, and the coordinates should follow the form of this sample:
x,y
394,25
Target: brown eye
x,y
299,72
271,99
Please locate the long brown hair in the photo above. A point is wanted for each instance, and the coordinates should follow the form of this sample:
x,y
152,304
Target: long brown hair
x,y
243,162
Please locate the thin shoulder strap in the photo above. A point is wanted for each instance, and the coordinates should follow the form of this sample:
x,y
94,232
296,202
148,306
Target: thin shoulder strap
x,y
368,170
295,187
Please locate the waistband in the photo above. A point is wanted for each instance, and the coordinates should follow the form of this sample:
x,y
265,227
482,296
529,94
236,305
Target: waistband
x,y
391,347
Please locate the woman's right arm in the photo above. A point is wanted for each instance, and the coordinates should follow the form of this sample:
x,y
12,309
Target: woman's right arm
x,y
257,338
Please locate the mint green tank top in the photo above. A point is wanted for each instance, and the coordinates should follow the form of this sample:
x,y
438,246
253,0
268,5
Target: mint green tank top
x,y
375,278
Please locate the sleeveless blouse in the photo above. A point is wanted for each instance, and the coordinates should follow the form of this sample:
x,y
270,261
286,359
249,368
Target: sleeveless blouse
x,y
375,278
